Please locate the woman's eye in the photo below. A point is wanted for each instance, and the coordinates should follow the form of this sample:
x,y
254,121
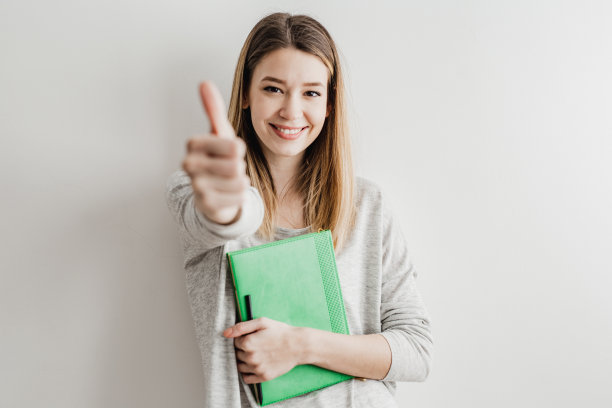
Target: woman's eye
x,y
274,89
271,89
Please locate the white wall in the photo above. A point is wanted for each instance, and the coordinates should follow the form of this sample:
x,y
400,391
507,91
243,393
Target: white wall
x,y
488,123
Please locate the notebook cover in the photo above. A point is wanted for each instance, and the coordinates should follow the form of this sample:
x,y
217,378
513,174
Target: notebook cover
x,y
294,281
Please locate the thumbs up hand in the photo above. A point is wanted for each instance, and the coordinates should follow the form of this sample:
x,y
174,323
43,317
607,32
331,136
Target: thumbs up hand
x,y
215,163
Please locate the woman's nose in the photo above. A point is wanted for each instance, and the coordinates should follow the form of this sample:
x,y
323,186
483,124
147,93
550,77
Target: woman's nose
x,y
292,108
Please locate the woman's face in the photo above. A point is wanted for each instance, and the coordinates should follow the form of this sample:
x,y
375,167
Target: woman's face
x,y
288,100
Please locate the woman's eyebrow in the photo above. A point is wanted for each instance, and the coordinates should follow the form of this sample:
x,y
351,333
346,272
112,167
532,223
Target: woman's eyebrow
x,y
280,81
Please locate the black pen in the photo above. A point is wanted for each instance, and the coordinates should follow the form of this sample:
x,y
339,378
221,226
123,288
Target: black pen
x,y
249,312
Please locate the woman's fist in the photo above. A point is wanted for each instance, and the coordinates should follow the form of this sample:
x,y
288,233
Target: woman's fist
x,y
265,348
215,163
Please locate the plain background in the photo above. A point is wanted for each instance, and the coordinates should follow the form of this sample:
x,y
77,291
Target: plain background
x,y
488,123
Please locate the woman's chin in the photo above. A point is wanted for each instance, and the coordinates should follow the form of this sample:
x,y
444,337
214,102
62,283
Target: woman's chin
x,y
290,153
286,153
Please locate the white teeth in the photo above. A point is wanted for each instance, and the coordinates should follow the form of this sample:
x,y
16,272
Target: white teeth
x,y
289,131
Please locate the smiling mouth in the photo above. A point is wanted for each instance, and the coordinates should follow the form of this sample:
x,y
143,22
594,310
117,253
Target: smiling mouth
x,y
289,134
288,130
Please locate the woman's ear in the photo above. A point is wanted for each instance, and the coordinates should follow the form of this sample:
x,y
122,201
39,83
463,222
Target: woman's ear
x,y
329,107
245,102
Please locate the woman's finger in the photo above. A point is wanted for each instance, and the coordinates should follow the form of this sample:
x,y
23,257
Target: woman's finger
x,y
224,184
216,146
242,356
196,163
252,378
226,167
215,110
245,368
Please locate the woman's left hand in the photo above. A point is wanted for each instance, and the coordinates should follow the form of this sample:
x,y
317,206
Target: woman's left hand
x,y
265,348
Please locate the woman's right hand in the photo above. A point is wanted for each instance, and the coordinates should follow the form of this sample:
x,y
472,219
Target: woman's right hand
x,y
215,163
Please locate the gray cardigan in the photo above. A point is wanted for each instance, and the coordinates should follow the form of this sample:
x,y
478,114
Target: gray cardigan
x,y
377,279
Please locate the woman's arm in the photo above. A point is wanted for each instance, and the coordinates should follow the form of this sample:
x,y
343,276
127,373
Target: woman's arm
x,y
364,356
211,199
405,321
196,228
267,348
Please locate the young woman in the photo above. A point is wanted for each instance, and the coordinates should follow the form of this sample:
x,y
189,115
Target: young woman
x,y
280,167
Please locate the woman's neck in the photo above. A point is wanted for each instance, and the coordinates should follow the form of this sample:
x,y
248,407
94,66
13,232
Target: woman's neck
x,y
290,211
283,170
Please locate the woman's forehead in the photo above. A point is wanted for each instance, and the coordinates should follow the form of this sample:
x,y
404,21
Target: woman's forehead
x,y
291,67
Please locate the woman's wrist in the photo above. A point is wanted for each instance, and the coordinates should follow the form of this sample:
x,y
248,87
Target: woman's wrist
x,y
224,217
302,340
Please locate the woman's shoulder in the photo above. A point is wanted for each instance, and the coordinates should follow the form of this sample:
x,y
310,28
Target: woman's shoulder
x,y
367,189
372,198
368,199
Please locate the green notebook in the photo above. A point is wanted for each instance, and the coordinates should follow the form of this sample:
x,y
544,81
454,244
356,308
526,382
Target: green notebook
x,y
294,281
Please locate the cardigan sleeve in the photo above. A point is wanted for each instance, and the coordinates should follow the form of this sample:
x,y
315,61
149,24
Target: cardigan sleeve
x,y
196,228
405,322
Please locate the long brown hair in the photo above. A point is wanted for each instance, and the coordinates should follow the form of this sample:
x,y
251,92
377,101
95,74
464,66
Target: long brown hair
x,y
325,179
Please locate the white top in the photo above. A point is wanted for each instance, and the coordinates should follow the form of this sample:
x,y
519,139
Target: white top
x,y
377,279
